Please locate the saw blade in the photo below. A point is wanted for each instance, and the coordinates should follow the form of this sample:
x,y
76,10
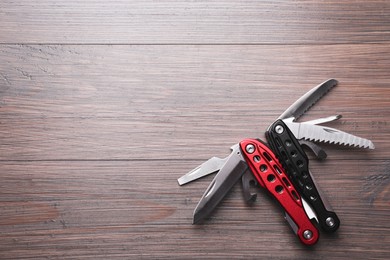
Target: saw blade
x,y
306,101
327,135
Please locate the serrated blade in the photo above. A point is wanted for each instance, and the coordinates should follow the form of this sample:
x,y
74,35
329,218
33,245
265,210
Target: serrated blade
x,y
300,106
327,135
210,166
234,167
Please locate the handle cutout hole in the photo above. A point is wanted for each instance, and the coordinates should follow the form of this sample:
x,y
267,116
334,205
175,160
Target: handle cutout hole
x,y
295,195
277,141
284,155
279,189
271,178
286,182
299,163
277,169
267,156
294,153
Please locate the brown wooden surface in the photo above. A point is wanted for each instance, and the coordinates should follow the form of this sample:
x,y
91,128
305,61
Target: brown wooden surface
x,y
103,105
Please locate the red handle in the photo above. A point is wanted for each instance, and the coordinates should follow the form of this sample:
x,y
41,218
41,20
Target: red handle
x,y
270,174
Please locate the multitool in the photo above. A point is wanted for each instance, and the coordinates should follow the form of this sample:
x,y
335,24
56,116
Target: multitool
x,y
281,167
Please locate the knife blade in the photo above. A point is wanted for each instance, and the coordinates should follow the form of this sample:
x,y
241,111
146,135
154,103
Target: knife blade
x,y
300,106
234,167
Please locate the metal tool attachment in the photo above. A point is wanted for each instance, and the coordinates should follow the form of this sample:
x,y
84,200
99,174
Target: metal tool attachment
x,y
210,166
248,182
227,176
319,153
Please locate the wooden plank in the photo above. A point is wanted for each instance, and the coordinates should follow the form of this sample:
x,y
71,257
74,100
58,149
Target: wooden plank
x,y
126,209
180,102
194,22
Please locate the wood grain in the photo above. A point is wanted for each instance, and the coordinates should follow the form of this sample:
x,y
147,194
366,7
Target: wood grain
x,y
194,22
104,104
116,209
175,102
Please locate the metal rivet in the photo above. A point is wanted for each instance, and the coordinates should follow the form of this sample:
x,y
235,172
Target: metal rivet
x,y
279,129
307,234
250,148
330,222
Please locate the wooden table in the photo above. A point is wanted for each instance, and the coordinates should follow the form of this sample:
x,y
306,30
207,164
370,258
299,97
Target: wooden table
x,y
104,104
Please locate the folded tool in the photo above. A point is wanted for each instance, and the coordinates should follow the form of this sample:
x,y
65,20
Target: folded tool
x,y
281,168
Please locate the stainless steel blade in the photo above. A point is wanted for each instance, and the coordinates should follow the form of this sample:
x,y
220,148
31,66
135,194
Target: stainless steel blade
x,y
317,150
300,106
210,166
327,135
248,180
323,120
234,167
309,210
291,222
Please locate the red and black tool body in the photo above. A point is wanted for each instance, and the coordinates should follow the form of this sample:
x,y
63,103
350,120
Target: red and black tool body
x,y
271,176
